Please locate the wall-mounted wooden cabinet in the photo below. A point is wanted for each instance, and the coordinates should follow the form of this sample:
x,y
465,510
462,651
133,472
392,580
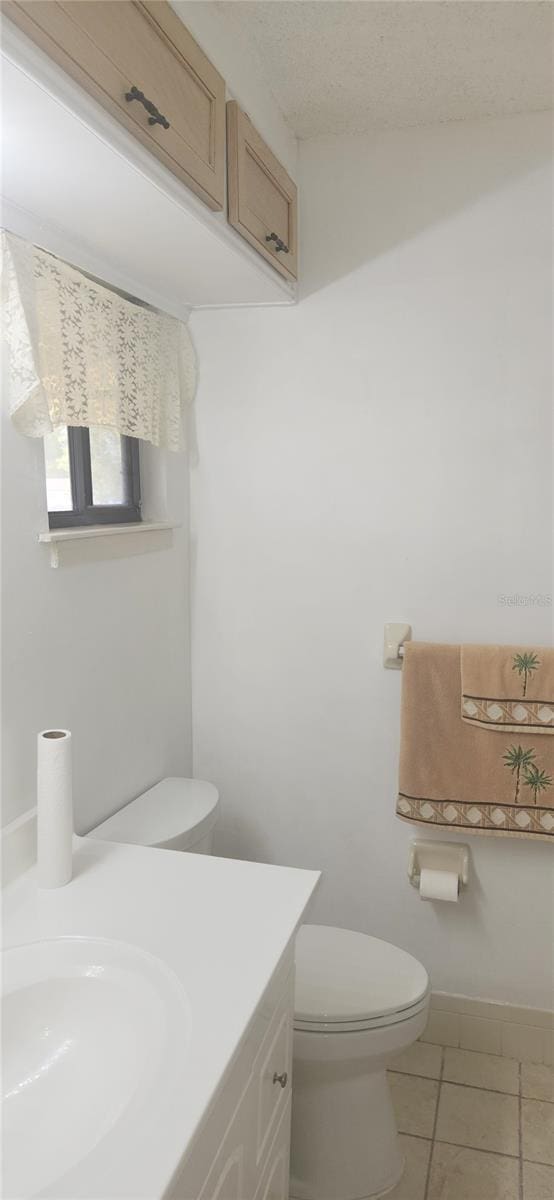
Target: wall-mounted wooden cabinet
x,y
262,202
137,59
140,62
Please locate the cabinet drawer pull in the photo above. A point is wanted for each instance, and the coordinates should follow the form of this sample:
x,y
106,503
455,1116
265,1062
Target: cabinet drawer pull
x,y
282,1079
155,117
279,243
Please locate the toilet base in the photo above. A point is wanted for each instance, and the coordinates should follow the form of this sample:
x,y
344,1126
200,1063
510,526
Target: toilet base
x,y
344,1137
298,1194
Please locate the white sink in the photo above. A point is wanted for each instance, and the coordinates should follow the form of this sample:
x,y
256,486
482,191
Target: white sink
x,y
92,1034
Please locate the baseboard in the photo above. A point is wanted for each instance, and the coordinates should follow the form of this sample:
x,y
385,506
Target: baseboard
x,y
507,1029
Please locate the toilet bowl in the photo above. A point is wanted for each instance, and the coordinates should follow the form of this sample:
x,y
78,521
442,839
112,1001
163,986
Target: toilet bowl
x,y
358,1002
175,814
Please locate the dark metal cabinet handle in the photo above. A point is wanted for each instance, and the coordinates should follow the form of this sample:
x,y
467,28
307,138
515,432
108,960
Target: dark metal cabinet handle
x,y
282,1079
155,117
279,243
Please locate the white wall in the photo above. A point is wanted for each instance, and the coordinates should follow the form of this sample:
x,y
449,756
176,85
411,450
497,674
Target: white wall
x,y
381,451
99,647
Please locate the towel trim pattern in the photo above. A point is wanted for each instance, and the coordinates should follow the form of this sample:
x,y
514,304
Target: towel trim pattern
x,y
509,715
510,820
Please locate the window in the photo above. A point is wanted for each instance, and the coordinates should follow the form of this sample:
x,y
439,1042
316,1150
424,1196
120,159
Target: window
x,y
92,477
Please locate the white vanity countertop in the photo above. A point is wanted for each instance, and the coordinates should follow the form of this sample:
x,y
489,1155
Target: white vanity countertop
x,y
220,924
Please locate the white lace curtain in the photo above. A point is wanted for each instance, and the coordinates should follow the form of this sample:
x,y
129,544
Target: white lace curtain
x,y
77,353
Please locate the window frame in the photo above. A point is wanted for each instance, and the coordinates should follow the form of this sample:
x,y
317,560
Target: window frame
x,y
84,511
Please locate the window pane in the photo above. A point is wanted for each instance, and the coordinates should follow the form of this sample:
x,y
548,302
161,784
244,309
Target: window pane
x,y
58,479
106,459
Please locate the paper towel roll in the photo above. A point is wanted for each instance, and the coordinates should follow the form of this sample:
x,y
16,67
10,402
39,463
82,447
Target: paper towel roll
x,y
438,885
54,808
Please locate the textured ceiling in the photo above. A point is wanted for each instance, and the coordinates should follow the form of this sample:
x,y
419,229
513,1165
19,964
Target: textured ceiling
x,y
347,66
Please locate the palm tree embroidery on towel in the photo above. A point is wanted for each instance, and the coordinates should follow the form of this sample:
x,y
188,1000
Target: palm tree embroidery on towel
x,y
525,664
537,780
519,760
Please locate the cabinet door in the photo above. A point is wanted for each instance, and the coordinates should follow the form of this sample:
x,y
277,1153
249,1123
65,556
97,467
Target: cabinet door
x,y
228,1182
272,1073
274,1183
261,196
113,46
243,1147
231,1174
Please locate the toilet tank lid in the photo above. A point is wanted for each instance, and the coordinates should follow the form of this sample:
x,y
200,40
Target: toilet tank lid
x,y
346,976
170,809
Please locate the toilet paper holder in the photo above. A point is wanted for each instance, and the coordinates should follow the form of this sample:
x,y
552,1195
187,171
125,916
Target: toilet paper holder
x,y
438,856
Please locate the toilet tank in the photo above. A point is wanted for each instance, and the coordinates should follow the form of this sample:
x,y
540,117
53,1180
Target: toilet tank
x,y
175,814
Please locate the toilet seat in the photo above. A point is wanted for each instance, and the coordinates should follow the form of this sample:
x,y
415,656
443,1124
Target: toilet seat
x,y
348,982
336,1027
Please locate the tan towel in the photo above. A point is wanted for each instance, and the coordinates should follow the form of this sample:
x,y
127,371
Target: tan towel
x,y
451,773
510,688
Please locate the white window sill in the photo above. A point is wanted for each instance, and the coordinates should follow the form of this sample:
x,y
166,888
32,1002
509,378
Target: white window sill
x,y
88,543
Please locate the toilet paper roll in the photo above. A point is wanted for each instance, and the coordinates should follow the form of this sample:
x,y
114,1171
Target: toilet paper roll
x,y
438,885
54,808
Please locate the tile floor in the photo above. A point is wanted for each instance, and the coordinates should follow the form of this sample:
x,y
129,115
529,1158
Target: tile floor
x,y
473,1126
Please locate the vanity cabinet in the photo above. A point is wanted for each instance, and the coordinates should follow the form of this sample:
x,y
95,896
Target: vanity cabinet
x,y
243,1149
140,62
261,196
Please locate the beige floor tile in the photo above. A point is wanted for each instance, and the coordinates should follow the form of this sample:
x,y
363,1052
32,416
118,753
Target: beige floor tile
x,y
460,1174
525,1042
412,1184
483,1120
415,1101
537,1128
538,1182
482,1070
537,1083
420,1059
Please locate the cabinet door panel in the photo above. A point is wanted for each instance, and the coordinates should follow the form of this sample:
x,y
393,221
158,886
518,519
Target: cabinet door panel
x,y
272,1071
244,1143
274,1183
262,197
231,1174
229,1180
267,203
110,46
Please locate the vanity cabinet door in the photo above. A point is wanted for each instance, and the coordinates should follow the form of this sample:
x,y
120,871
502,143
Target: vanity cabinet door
x,y
231,1174
242,1150
140,62
273,1072
261,196
274,1183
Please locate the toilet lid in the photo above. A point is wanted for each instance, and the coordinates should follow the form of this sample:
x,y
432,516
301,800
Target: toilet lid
x,y
347,976
175,808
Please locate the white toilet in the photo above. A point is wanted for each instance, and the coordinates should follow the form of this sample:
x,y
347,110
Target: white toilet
x,y
175,814
359,1001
